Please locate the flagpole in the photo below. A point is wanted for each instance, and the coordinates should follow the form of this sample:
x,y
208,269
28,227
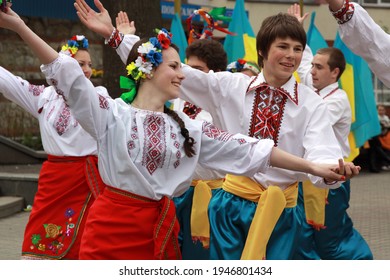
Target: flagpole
x,y
177,6
301,6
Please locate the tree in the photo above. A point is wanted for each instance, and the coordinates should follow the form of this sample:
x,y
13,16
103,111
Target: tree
x,y
147,17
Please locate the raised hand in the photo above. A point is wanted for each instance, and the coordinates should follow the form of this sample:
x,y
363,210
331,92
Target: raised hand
x,y
123,24
9,19
97,22
295,10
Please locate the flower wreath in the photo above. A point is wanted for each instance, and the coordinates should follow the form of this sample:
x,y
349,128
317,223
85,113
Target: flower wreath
x,y
3,5
208,26
149,56
73,45
241,64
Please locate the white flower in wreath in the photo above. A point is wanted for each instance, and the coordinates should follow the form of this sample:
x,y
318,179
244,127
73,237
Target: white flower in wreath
x,y
143,66
145,48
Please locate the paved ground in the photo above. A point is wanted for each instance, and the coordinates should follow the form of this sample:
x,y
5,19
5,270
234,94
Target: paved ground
x,y
370,211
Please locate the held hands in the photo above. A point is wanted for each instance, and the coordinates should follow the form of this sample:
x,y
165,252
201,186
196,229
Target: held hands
x,y
332,173
124,25
97,22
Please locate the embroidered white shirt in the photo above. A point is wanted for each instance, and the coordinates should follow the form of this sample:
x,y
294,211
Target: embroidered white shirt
x,y
304,131
367,39
61,134
142,151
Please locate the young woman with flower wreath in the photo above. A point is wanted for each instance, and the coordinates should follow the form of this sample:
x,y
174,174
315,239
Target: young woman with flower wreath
x,y
271,106
69,180
148,153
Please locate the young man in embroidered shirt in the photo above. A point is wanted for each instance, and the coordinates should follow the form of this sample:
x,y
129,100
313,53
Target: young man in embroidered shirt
x,y
328,232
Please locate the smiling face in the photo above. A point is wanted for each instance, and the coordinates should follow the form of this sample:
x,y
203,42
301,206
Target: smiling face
x,y
168,75
284,57
84,59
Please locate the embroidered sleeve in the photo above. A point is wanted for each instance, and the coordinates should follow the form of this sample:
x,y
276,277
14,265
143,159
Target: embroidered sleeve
x,y
115,39
21,92
345,13
89,105
236,154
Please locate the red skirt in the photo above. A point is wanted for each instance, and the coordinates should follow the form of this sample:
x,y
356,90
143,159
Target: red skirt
x,y
124,226
67,187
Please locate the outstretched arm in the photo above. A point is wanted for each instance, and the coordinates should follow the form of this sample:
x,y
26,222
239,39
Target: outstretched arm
x,y
329,172
10,20
363,36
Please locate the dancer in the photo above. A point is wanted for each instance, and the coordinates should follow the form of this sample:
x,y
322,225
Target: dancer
x,y
305,136
327,231
147,153
191,207
69,181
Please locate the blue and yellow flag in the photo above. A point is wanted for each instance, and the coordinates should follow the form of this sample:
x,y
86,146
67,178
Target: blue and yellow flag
x,y
357,82
243,44
314,37
179,36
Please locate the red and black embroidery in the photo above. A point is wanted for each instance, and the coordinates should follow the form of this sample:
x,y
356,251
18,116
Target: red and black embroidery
x,y
345,13
214,132
267,113
36,90
115,39
154,143
63,120
177,146
103,103
131,144
191,110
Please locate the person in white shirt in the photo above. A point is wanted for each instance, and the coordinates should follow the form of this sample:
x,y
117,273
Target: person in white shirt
x,y
328,233
148,153
363,36
69,181
271,105
191,208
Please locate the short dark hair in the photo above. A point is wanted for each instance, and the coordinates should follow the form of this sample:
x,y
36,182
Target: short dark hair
x,y
209,51
336,59
282,25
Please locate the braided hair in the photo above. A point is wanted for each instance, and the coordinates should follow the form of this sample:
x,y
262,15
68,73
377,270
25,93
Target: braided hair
x,y
188,140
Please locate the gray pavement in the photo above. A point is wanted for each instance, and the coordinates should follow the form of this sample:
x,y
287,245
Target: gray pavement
x,y
369,209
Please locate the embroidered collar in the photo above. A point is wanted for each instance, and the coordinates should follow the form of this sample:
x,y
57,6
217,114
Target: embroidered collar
x,y
328,90
289,89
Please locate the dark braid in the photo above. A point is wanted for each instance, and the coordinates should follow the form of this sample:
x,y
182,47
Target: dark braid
x,y
189,141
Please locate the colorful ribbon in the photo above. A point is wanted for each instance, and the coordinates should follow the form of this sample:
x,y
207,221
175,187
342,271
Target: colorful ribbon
x,y
129,84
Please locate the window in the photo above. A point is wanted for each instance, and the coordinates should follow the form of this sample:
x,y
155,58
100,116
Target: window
x,y
383,3
382,93
284,1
